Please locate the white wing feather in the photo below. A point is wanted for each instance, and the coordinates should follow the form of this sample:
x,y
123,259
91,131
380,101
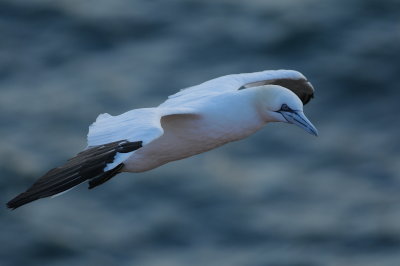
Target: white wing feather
x,y
136,125
192,96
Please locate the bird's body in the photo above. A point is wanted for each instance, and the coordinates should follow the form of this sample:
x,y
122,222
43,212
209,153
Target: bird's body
x,y
190,122
186,135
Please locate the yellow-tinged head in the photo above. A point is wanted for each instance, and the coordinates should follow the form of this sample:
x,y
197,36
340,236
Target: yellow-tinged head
x,y
278,104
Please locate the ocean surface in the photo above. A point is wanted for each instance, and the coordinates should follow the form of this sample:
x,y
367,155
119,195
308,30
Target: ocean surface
x,y
278,198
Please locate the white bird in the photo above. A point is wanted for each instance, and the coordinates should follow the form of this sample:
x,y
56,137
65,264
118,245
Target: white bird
x,y
192,121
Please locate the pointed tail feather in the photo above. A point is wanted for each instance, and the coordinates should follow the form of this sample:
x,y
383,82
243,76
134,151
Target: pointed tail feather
x,y
87,165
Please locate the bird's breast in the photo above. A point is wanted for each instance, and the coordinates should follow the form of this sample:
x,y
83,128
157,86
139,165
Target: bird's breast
x,y
188,135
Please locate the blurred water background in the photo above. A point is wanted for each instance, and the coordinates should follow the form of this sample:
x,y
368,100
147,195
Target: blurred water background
x,y
279,198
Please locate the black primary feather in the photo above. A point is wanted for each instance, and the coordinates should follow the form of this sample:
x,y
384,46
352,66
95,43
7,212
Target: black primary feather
x,y
86,165
301,87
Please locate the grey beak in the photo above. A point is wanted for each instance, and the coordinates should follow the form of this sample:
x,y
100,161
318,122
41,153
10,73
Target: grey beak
x,y
299,119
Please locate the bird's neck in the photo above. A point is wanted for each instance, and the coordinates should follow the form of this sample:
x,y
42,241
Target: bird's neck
x,y
255,98
248,106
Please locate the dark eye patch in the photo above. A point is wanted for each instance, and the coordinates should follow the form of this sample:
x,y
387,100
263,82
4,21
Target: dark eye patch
x,y
285,108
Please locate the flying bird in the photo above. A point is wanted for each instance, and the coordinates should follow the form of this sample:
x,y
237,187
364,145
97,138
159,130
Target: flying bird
x,y
192,121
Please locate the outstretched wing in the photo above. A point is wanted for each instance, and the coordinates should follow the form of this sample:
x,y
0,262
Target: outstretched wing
x,y
137,125
111,140
290,79
86,165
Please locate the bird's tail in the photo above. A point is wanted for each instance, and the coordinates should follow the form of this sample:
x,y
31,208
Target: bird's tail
x,y
87,165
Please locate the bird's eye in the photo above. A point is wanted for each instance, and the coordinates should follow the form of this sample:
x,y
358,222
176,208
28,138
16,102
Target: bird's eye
x,y
285,108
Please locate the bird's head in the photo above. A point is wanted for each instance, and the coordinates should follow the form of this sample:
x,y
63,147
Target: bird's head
x,y
279,104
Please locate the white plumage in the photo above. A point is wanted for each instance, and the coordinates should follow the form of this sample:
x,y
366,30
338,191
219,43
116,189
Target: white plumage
x,y
192,121
189,122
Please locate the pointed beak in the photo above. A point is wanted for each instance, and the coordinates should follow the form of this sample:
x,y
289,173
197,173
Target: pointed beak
x,y
299,119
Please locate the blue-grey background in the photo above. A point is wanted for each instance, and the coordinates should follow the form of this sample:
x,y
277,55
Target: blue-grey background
x,y
280,197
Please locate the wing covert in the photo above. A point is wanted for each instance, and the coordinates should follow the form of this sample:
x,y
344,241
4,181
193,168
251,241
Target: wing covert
x,y
290,79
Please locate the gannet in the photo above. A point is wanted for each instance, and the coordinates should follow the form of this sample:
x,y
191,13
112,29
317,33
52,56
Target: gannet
x,y
192,121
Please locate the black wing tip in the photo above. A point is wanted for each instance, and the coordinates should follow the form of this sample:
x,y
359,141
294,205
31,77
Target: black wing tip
x,y
307,98
87,165
19,200
300,86
11,205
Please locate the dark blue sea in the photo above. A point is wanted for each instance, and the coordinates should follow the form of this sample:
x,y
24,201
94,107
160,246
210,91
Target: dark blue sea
x,y
279,198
